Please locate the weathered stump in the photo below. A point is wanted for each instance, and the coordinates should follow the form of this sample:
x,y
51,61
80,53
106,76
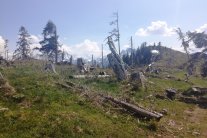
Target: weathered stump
x,y
171,93
50,67
80,65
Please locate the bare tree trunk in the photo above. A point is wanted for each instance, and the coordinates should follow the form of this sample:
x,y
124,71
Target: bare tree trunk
x,y
132,55
102,56
116,62
56,48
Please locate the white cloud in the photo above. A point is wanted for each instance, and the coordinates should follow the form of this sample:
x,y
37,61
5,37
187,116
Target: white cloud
x,y
126,46
202,28
35,39
2,42
156,28
84,49
191,49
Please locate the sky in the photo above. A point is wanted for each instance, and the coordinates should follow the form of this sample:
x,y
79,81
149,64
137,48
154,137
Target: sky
x,y
83,25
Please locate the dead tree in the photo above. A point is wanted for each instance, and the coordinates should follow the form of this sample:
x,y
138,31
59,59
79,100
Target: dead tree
x,y
50,67
115,31
81,65
138,111
116,62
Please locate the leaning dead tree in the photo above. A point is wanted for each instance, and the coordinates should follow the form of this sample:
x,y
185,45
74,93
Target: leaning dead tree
x,y
185,43
199,39
115,32
116,62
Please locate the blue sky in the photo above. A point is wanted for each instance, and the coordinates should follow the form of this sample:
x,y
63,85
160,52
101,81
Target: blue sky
x,y
83,24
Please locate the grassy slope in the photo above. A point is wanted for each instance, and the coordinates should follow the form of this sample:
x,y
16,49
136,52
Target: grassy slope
x,y
169,57
51,111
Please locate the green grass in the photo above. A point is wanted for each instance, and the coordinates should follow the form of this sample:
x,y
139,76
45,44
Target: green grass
x,y
51,111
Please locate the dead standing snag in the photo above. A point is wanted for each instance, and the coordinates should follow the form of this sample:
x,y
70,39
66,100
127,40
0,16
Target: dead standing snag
x,y
116,62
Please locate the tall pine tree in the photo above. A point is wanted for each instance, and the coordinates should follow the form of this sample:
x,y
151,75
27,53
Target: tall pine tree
x,y
23,45
50,43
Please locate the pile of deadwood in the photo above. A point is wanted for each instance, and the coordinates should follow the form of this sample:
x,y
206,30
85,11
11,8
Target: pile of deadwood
x,y
8,92
102,99
195,95
6,89
4,62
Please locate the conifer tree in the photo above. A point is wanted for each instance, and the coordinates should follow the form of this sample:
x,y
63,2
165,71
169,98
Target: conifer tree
x,y
23,45
50,43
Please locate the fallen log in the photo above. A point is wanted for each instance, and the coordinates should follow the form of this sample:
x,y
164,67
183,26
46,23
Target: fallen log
x,y
90,76
195,91
64,86
138,111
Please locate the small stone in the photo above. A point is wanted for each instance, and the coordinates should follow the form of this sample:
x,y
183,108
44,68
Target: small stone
x,y
171,93
18,97
78,129
164,111
196,133
4,109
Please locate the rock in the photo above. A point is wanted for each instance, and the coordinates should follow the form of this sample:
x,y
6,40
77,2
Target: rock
x,y
135,76
178,79
102,73
78,129
195,91
196,133
18,97
164,111
170,93
158,96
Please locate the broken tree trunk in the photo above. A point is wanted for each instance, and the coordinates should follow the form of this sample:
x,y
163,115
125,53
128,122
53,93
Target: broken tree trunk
x,y
90,76
116,62
50,67
135,109
80,65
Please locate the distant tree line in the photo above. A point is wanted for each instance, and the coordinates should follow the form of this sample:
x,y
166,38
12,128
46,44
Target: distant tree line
x,y
50,46
141,56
